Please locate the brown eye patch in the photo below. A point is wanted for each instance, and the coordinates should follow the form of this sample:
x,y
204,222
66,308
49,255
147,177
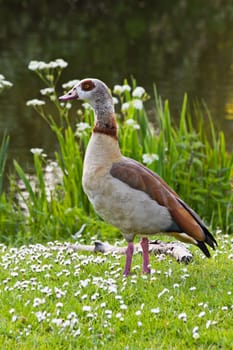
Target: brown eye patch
x,y
88,85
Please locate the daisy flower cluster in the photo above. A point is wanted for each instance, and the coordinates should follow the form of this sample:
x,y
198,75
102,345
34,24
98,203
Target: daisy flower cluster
x,y
82,129
49,73
35,102
4,83
130,98
41,65
59,290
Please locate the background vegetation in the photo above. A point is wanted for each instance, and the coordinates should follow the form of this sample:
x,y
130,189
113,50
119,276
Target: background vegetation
x,y
194,162
182,46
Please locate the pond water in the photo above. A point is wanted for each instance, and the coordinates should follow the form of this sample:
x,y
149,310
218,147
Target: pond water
x,y
182,46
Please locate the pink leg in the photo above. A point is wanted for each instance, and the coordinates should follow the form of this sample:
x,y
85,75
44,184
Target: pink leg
x,y
129,256
145,255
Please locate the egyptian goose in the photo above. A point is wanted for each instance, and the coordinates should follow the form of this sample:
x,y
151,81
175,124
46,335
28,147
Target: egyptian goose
x,y
124,192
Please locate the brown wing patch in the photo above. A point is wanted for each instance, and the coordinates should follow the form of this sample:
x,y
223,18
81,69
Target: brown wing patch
x,y
139,177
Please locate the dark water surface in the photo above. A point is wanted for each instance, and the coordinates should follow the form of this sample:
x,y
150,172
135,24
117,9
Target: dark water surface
x,y
182,46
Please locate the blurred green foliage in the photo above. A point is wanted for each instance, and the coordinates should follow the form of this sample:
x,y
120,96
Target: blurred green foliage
x,y
195,165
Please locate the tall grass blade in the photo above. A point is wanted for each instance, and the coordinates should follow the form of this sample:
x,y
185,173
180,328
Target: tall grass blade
x,y
25,180
3,158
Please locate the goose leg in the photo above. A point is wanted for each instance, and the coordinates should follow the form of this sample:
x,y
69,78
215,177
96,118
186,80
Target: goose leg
x,y
145,255
129,256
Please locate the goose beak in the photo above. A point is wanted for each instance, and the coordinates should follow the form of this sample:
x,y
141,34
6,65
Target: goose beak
x,y
70,95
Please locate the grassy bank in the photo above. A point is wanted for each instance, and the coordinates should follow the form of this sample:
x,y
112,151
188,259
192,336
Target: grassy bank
x,y
53,297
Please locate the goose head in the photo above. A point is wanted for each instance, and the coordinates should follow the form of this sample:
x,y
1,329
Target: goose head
x,y
94,91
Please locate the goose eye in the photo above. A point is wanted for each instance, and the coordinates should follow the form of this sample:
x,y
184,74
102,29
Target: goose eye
x,y
88,85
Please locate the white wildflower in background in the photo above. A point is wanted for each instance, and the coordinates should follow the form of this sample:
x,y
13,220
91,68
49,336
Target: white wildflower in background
x,y
47,91
149,158
137,104
59,304
144,277
84,283
41,315
195,333
123,307
112,289
86,106
201,314
59,293
36,65
120,89
95,296
57,321
224,308
4,83
182,316
87,308
192,288
126,87
61,63
40,65
35,102
125,106
155,310
46,290
138,313
68,105
108,313
117,89
14,274
36,150
115,100
72,316
210,323
138,92
70,84
14,318
81,128
38,301
165,290
132,123
77,332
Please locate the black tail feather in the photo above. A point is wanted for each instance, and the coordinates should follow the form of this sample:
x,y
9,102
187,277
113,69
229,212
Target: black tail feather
x,y
209,238
203,248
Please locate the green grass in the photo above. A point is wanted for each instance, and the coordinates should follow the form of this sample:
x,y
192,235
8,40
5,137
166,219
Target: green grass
x,y
53,297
